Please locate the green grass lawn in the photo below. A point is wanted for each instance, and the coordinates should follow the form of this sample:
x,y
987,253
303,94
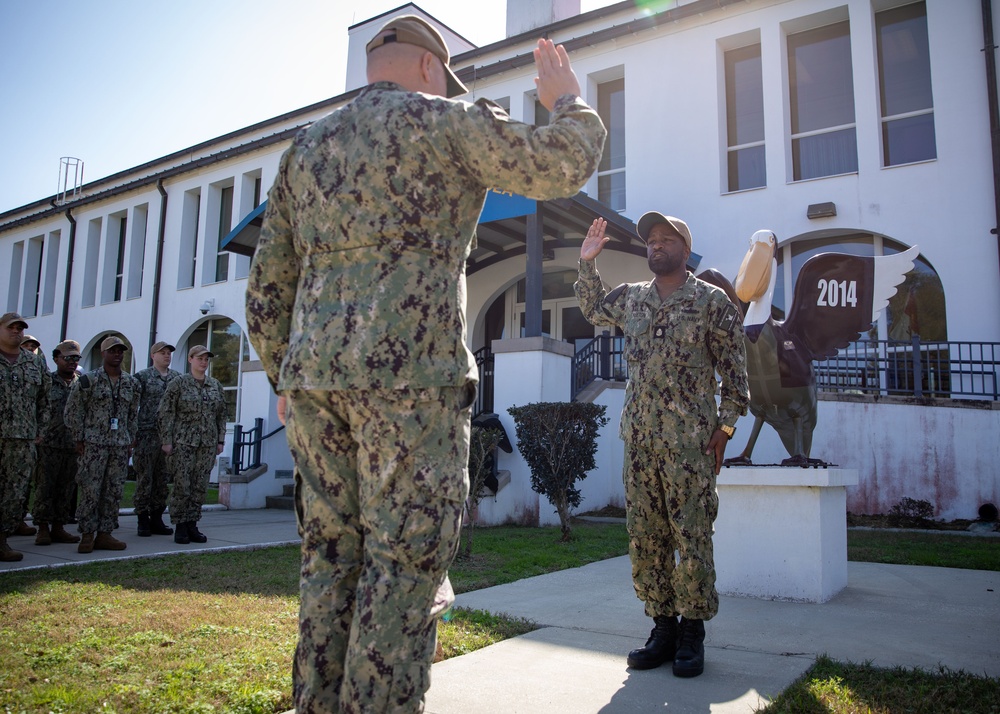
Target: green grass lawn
x,y
128,495
200,632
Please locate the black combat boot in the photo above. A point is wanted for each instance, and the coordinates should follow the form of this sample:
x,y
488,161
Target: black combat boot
x,y
194,534
144,531
690,658
660,646
181,534
156,524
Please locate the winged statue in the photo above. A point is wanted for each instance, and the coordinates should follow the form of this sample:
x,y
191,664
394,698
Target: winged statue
x,y
837,298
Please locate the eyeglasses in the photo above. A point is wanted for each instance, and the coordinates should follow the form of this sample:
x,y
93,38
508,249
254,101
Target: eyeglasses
x,y
72,358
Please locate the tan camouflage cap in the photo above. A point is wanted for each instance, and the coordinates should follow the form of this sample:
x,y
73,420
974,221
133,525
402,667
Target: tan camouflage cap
x,y
199,350
10,318
159,346
27,339
69,348
112,341
412,30
651,218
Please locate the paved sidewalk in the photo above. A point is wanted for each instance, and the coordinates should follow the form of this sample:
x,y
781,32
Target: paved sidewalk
x,y
225,529
888,614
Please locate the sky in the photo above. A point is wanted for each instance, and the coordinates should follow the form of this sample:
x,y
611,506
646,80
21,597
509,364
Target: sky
x,y
117,83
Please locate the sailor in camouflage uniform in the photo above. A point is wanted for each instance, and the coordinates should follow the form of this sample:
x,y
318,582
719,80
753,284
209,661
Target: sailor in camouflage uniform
x,y
192,427
57,454
102,413
24,414
679,332
356,306
149,461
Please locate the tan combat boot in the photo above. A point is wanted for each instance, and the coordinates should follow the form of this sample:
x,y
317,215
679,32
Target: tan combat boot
x,y
8,554
43,537
23,529
61,535
106,541
87,544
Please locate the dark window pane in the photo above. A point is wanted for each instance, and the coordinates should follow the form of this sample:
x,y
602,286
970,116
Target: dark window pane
x,y
575,326
611,109
611,190
904,60
908,140
820,78
825,154
744,96
746,168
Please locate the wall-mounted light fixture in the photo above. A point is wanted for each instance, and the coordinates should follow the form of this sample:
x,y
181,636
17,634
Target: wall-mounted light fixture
x,y
821,210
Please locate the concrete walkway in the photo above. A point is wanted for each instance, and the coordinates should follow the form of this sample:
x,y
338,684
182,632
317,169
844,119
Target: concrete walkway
x,y
888,614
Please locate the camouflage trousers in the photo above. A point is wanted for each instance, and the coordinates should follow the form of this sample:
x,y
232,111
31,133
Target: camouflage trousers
x,y
54,486
17,462
191,467
381,477
151,474
100,478
671,504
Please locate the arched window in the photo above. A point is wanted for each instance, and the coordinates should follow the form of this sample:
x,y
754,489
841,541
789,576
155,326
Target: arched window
x,y
96,360
917,308
225,339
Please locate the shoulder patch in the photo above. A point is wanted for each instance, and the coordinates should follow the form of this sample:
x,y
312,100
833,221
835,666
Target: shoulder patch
x,y
728,318
613,296
84,381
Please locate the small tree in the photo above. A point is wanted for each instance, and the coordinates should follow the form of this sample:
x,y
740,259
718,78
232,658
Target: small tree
x,y
558,441
482,445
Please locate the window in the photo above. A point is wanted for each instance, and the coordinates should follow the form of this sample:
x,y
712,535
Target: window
x,y
250,193
51,271
225,223
91,262
188,254
745,118
504,102
32,277
14,286
611,171
541,115
226,341
904,74
113,275
137,251
821,91
119,253
559,303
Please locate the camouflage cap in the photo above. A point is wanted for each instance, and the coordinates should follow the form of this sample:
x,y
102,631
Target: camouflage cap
x,y
11,318
412,30
28,338
112,341
198,350
69,348
159,346
651,218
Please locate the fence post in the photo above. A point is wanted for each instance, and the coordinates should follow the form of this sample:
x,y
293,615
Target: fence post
x,y
237,449
605,355
918,367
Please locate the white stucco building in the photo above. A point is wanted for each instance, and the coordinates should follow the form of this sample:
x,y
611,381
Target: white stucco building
x,y
867,126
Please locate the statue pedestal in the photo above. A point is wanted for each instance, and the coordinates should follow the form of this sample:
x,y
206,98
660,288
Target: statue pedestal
x,y
781,533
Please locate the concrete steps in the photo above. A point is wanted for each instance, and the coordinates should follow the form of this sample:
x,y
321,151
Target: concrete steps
x,y
286,501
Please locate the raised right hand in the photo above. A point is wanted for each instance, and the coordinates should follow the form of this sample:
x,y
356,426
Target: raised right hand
x,y
593,244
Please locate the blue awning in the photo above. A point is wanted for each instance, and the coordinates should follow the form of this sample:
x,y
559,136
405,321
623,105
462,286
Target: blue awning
x,y
243,238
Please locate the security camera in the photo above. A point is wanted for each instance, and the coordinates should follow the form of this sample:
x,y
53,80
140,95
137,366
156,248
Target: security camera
x,y
206,306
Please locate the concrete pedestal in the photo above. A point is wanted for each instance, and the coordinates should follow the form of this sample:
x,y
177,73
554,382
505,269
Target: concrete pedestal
x,y
781,533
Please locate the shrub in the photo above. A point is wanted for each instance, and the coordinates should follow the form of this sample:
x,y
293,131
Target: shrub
x,y
558,441
911,512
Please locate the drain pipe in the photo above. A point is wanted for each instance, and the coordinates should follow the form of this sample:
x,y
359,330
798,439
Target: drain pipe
x,y
69,273
989,49
161,232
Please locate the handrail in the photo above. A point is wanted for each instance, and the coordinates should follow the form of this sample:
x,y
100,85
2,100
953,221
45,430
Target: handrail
x,y
484,396
924,369
246,445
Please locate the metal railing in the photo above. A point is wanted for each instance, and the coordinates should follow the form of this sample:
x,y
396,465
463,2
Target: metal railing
x,y
246,445
601,358
484,397
934,369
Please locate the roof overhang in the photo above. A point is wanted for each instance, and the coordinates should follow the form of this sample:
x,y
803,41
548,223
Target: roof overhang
x,y
502,230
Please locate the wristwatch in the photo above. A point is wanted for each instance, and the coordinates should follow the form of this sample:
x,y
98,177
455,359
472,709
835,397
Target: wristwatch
x,y
727,430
